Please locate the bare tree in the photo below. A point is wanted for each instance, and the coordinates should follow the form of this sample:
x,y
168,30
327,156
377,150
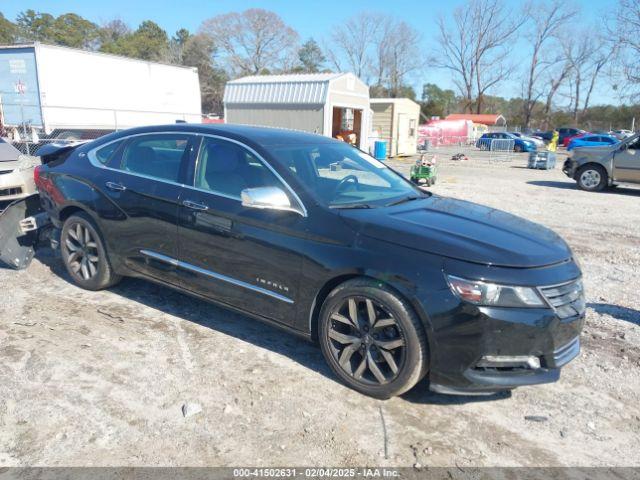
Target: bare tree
x,y
555,79
396,55
350,44
476,49
587,55
624,30
456,53
253,42
545,19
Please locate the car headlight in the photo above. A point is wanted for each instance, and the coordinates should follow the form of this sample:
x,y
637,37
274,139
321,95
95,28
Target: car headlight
x,y
494,295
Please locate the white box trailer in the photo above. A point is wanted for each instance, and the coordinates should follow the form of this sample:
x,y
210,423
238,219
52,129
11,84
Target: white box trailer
x,y
65,92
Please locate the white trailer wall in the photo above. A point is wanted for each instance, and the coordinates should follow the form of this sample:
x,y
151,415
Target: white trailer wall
x,y
88,90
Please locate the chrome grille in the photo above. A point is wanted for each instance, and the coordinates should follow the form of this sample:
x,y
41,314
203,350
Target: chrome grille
x,y
567,299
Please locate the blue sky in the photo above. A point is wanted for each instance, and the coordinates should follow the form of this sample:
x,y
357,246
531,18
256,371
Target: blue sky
x,y
309,18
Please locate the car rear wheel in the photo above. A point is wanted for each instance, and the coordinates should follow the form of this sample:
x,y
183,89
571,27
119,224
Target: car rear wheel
x,y
517,148
372,339
592,178
84,254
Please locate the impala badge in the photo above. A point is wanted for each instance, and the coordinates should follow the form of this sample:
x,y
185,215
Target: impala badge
x,y
269,283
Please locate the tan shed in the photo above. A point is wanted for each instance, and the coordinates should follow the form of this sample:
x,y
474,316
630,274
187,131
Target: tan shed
x,y
330,104
396,121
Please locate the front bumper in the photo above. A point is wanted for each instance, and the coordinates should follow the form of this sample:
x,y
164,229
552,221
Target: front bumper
x,y
482,350
16,185
569,168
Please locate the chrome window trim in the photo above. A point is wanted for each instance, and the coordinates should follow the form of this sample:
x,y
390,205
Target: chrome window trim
x,y
96,163
218,276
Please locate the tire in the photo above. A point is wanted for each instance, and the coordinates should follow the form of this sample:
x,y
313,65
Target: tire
x,y
433,180
384,360
429,182
592,178
517,149
84,255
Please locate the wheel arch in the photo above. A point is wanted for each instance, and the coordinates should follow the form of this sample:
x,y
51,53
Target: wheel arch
x,y
400,289
69,210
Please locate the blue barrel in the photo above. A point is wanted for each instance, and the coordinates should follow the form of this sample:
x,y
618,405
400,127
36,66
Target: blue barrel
x,y
380,150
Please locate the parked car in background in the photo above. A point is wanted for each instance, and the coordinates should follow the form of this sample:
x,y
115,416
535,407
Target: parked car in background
x,y
317,237
621,134
592,140
539,142
565,132
599,167
567,140
498,141
545,135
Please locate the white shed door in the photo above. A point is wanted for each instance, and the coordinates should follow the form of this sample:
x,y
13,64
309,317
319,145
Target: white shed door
x,y
402,139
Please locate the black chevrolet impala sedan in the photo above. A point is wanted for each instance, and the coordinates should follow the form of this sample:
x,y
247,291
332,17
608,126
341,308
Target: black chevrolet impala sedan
x,y
315,236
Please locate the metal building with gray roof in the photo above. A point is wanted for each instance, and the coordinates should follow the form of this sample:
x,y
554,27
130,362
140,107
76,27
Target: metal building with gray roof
x,y
330,104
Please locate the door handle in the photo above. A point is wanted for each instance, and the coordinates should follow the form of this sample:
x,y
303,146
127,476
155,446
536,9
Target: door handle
x,y
195,205
116,187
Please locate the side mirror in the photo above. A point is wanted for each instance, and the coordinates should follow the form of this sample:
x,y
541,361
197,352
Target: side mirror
x,y
266,198
623,147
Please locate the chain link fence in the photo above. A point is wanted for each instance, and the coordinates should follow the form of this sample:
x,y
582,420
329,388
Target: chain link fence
x,y
474,151
28,126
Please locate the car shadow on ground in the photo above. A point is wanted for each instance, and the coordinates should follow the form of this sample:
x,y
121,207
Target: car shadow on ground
x,y
553,184
616,311
245,328
572,186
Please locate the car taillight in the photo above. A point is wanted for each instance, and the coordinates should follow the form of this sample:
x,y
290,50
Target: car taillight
x,y
36,174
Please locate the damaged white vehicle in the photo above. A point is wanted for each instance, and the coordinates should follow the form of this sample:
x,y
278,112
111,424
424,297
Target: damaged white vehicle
x,y
20,211
16,173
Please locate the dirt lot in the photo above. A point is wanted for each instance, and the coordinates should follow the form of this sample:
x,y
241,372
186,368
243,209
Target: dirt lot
x,y
101,378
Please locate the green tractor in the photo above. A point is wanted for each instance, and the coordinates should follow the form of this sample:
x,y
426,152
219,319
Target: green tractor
x,y
424,172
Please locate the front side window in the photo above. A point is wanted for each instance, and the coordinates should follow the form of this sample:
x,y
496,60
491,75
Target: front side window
x,y
228,168
157,156
339,175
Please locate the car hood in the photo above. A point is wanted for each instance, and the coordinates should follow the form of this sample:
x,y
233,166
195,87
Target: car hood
x,y
464,231
23,162
594,148
8,153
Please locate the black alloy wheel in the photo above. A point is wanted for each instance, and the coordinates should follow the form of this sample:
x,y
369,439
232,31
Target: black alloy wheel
x,y
366,341
84,255
372,339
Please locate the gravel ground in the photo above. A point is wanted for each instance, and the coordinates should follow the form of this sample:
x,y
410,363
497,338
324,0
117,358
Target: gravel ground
x,y
101,379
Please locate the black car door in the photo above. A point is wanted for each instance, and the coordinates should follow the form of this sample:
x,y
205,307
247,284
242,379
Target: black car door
x,y
145,181
241,256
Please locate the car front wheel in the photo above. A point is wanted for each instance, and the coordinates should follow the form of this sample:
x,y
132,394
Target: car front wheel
x,y
592,178
84,255
372,339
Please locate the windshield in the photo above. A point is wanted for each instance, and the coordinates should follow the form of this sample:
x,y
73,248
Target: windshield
x,y
341,176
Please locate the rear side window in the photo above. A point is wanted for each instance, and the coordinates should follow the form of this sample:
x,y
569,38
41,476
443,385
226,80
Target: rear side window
x,y
156,156
104,154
